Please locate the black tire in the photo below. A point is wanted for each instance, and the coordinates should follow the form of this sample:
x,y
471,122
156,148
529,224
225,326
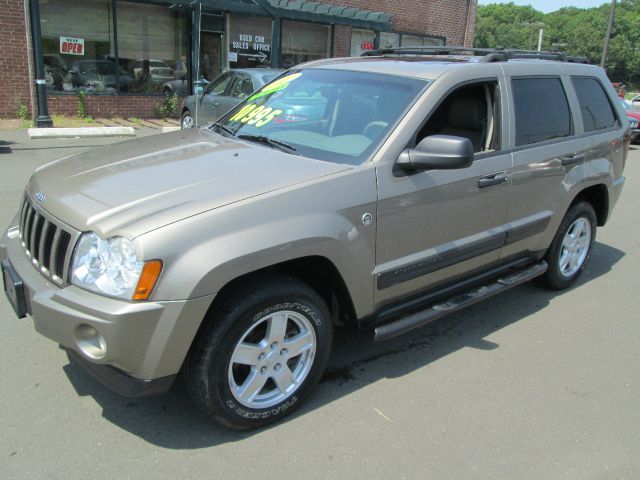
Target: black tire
x,y
210,372
557,277
186,114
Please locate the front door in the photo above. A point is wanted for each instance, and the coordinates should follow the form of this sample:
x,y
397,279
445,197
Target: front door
x,y
438,225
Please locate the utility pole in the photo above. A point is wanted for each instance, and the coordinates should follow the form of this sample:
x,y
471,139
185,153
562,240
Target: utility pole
x,y
43,119
533,26
540,37
612,15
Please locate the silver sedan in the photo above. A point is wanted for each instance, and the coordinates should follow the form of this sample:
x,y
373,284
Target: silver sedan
x,y
222,94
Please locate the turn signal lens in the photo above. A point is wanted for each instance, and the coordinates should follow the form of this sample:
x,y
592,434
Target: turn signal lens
x,y
148,278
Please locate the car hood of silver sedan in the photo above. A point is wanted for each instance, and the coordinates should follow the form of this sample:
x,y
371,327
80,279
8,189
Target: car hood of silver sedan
x,y
136,186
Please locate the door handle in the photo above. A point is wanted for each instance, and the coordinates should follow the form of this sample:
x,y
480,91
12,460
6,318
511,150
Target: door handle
x,y
572,159
493,179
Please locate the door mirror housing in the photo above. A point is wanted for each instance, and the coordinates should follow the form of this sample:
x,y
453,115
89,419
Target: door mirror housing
x,y
438,152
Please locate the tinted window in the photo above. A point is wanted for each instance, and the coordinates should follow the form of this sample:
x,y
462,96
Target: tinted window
x,y
541,110
597,113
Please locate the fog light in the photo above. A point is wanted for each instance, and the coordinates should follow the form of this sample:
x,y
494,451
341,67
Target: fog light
x,y
90,342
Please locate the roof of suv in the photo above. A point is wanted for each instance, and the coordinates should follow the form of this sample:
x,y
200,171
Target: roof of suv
x,y
433,63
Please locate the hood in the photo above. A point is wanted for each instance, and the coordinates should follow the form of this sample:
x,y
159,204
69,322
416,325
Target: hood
x,y
136,186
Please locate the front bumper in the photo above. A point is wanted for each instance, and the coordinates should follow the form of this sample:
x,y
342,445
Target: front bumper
x,y
126,345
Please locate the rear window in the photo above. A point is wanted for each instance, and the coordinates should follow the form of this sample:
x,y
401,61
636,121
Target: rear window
x,y
541,110
597,113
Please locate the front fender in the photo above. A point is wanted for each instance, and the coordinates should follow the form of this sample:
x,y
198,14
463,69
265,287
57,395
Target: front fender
x,y
322,218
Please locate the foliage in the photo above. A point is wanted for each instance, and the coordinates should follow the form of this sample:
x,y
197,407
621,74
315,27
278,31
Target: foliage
x,y
82,106
577,31
23,112
169,106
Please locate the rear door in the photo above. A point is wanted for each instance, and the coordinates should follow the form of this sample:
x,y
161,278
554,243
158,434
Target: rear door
x,y
548,156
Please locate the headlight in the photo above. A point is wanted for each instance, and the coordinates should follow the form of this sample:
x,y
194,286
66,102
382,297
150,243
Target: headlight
x,y
633,123
108,267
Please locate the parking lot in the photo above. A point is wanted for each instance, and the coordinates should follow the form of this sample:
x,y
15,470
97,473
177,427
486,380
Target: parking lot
x,y
528,385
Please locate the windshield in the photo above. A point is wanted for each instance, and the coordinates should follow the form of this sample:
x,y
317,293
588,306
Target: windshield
x,y
333,115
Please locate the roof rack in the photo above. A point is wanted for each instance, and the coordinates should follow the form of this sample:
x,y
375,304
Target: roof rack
x,y
486,54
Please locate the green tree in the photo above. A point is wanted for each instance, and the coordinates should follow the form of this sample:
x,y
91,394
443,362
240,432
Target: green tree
x,y
577,31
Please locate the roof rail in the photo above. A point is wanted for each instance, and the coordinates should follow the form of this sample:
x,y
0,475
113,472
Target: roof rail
x,y
487,54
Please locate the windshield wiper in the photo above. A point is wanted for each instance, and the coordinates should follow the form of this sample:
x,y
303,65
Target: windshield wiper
x,y
284,146
223,128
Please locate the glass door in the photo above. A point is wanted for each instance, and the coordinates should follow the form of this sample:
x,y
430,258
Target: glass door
x,y
210,55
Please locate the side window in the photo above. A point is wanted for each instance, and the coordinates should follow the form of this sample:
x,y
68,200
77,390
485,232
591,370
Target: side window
x,y
597,113
541,110
471,111
242,87
217,87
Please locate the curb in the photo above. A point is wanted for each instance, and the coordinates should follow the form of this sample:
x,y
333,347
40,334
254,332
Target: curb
x,y
170,129
36,133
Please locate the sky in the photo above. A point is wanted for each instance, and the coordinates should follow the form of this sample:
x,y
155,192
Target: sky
x,y
547,6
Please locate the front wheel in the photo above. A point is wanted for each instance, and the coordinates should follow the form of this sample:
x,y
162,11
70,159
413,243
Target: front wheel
x,y
187,120
571,247
261,354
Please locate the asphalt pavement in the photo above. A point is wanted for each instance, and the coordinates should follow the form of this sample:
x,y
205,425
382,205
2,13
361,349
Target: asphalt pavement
x,y
528,385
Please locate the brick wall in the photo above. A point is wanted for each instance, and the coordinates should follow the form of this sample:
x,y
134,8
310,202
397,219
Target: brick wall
x,y
14,59
341,41
454,19
426,17
106,105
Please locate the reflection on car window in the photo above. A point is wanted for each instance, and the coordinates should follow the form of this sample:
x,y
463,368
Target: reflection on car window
x,y
332,115
242,87
218,87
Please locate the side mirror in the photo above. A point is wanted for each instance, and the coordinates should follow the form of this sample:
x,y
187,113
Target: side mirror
x,y
438,152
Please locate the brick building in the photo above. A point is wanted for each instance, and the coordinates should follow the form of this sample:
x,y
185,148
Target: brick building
x,y
124,55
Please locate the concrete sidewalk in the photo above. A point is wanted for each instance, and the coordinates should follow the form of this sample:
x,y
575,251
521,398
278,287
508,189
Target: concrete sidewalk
x,y
18,140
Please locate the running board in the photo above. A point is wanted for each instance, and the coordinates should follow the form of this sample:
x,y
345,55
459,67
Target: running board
x,y
416,320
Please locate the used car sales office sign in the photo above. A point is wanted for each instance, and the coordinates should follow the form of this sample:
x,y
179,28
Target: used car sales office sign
x,y
72,46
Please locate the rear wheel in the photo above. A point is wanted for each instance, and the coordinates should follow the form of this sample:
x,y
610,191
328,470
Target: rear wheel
x,y
262,353
571,247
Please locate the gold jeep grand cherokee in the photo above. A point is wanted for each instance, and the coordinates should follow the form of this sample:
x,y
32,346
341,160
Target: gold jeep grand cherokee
x,y
427,180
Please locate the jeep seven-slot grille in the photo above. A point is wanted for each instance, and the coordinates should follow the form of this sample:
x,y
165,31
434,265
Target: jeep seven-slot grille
x,y
46,242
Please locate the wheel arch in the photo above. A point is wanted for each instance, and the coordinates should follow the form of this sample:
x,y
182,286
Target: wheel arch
x,y
598,197
316,271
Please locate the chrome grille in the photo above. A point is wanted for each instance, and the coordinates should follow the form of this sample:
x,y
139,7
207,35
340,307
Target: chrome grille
x,y
47,242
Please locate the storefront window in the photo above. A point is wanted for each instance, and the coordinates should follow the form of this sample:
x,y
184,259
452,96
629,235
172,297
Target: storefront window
x,y
362,40
77,40
389,40
418,41
152,47
249,42
302,42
